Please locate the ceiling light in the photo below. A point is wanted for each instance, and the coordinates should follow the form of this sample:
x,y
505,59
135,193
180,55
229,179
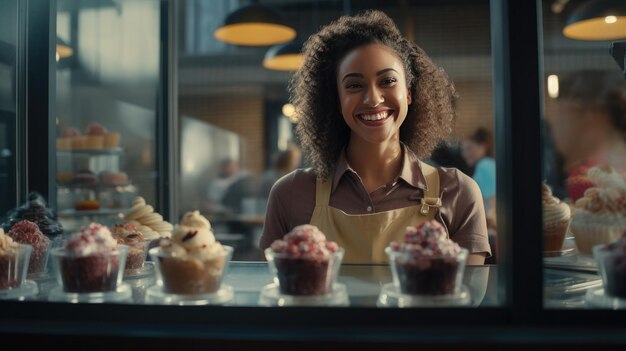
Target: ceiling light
x,y
597,20
254,25
284,57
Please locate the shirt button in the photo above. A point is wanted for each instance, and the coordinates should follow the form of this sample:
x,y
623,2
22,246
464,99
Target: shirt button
x,y
369,208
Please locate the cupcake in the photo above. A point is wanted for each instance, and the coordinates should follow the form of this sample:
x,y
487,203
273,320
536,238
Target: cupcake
x,y
35,210
611,260
127,234
149,223
304,262
191,262
27,232
556,218
111,140
95,136
91,261
600,215
427,262
13,262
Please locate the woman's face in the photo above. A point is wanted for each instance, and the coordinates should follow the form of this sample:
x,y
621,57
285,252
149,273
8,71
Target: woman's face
x,y
373,93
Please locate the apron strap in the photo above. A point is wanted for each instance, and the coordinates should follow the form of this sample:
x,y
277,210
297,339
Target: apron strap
x,y
431,197
322,191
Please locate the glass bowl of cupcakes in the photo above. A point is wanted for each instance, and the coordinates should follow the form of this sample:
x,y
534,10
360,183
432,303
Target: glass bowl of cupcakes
x,y
427,270
89,268
191,266
304,266
611,260
14,261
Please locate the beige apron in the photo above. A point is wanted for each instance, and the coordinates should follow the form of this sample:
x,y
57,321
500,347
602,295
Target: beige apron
x,y
364,237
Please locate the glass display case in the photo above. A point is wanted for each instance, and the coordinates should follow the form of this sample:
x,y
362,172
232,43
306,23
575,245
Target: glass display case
x,y
123,64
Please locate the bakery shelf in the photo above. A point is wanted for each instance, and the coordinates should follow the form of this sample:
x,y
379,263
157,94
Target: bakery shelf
x,y
93,186
91,152
101,212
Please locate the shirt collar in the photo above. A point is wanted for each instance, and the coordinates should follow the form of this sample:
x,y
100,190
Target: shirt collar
x,y
411,171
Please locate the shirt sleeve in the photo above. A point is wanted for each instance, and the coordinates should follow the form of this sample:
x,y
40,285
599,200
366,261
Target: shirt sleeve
x,y
485,177
277,216
463,212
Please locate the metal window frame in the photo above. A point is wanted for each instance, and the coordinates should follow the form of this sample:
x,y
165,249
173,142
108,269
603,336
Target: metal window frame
x,y
517,104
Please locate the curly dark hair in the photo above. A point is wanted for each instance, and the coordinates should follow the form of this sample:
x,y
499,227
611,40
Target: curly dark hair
x,y
321,129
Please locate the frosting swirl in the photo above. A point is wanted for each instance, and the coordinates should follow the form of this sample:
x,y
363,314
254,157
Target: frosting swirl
x,y
194,238
305,241
554,210
7,245
428,239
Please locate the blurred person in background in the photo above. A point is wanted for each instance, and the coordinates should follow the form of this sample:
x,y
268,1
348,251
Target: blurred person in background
x,y
232,184
589,126
284,163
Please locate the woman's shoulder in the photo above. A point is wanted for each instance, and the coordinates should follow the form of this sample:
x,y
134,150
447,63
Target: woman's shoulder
x,y
452,179
301,180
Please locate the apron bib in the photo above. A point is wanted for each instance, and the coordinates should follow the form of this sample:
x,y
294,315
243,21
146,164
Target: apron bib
x,y
365,237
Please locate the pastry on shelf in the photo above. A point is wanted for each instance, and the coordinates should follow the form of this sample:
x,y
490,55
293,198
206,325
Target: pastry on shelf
x,y
304,262
113,178
87,205
556,219
85,177
65,178
112,140
127,234
95,135
35,210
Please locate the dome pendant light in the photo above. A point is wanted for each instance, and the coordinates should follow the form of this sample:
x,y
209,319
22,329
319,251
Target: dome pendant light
x,y
254,25
284,57
597,20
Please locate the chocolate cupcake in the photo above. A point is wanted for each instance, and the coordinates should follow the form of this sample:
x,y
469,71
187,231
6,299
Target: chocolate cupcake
x,y
91,261
304,262
35,210
427,262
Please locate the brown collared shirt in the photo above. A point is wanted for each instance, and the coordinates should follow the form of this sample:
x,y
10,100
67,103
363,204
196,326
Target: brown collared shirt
x,y
292,200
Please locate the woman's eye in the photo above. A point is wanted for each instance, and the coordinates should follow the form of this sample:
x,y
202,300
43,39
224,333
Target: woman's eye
x,y
388,81
353,86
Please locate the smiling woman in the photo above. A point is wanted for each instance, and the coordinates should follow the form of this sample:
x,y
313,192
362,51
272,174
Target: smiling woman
x,y
370,103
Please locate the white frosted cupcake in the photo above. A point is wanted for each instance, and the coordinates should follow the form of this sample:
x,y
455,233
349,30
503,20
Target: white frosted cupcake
x,y
601,214
556,219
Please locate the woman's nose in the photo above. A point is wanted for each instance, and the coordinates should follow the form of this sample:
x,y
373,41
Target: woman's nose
x,y
373,97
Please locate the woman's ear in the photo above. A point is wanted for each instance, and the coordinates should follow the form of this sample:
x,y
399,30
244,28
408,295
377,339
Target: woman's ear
x,y
409,98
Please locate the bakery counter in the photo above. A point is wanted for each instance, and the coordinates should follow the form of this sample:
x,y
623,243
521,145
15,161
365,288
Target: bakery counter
x,y
250,284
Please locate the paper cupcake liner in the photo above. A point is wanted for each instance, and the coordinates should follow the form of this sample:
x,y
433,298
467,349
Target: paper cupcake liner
x,y
554,235
587,235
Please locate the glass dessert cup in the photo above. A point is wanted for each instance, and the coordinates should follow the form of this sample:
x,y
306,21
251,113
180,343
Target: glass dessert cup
x,y
415,274
13,268
136,258
304,276
91,273
39,261
612,269
188,275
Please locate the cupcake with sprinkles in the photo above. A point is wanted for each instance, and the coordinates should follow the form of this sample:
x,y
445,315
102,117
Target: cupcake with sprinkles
x,y
427,262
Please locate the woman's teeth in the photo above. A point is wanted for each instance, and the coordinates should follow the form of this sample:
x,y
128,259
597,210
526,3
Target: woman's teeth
x,y
375,117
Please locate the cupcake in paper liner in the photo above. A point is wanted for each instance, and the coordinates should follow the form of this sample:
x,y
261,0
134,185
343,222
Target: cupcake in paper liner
x,y
556,220
601,214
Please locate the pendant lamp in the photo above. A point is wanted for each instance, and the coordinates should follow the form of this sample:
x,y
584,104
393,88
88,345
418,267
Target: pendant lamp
x,y
63,50
254,25
284,57
597,20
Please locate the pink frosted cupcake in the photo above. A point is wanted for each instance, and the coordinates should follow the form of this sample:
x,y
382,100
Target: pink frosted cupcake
x,y
304,262
556,219
600,217
91,261
427,262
